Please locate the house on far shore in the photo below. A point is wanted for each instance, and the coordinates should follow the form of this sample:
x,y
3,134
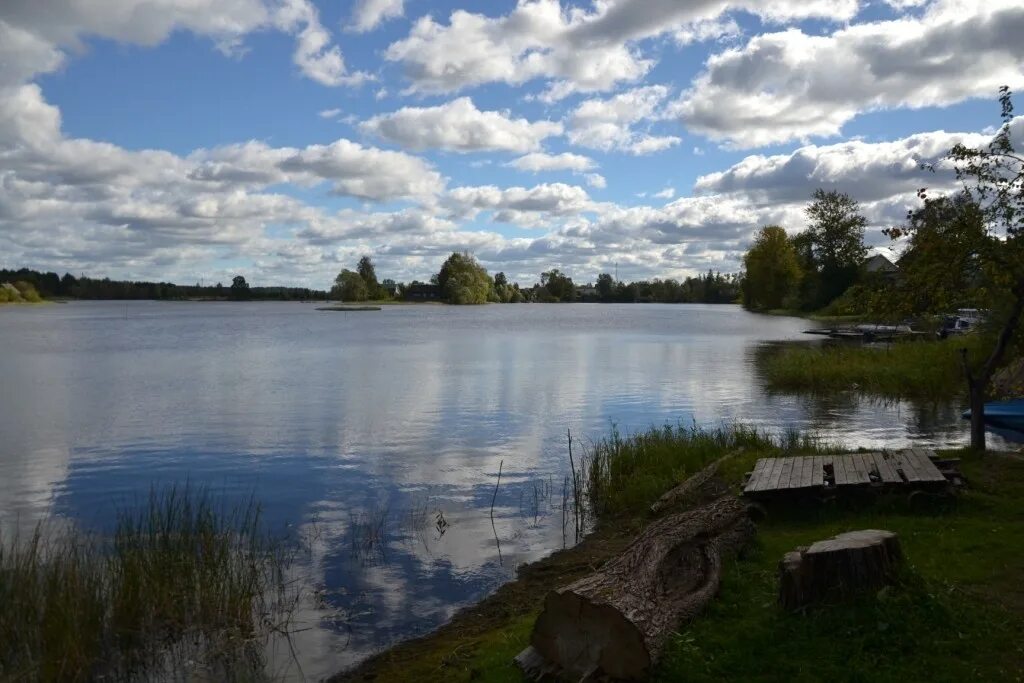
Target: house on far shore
x,y
881,265
586,293
418,291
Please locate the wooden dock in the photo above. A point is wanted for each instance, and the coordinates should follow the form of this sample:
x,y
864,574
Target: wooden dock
x,y
915,467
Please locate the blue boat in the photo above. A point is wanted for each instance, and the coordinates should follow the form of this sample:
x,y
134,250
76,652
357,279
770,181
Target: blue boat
x,y
1005,414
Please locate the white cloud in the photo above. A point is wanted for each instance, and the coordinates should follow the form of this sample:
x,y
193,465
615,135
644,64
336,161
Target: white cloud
x,y
459,126
574,49
596,180
368,14
667,193
540,161
329,113
520,205
790,85
608,125
34,35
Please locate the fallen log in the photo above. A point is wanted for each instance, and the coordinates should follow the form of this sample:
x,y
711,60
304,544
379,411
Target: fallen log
x,y
699,488
840,567
614,623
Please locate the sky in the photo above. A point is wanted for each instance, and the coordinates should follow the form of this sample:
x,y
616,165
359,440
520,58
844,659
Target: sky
x,y
192,140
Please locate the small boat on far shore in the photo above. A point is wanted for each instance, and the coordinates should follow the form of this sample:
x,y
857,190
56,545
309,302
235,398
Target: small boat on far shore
x,y
1004,414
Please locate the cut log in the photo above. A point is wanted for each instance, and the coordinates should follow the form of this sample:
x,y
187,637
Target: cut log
x,y
613,623
841,566
701,487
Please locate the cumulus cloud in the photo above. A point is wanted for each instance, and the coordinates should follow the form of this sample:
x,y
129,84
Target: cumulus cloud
x,y
540,161
34,35
520,205
459,126
576,49
608,125
368,14
791,85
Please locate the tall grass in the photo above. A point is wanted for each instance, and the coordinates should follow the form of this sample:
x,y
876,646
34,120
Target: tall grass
x,y
625,475
924,370
180,575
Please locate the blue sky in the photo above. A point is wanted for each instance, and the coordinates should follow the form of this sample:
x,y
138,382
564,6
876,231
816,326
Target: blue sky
x,y
282,139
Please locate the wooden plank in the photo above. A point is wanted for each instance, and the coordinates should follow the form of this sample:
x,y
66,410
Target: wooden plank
x,y
766,475
796,477
839,469
885,469
926,468
860,475
787,471
759,467
819,470
907,463
812,476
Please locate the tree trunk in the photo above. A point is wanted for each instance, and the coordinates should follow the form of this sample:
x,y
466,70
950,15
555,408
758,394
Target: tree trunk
x,y
841,566
977,396
614,623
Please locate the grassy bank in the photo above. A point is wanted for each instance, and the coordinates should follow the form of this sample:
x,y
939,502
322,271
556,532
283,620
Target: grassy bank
x,y
955,616
181,585
923,370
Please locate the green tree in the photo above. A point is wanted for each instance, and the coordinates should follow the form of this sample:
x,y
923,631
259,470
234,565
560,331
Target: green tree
x,y
836,239
350,286
772,270
239,288
993,184
559,286
605,287
464,281
368,272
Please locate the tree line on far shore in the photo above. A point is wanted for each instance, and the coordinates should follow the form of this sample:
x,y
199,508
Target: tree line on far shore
x,y
463,280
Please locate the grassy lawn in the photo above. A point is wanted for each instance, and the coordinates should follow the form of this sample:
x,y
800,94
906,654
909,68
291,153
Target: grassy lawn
x,y
925,370
958,613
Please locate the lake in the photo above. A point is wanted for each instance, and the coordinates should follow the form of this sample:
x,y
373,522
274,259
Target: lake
x,y
377,436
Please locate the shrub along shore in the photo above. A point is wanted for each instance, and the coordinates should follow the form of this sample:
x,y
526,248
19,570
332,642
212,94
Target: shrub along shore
x,y
956,615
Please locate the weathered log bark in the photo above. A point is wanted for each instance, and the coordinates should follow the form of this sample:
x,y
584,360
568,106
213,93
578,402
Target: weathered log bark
x,y
699,488
613,624
839,567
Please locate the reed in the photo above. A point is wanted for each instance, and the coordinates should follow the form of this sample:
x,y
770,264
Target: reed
x,y
923,370
181,583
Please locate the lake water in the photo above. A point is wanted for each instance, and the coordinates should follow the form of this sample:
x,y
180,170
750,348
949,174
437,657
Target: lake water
x,y
363,430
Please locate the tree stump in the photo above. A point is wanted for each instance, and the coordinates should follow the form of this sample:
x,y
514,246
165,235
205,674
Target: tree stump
x,y
614,623
840,566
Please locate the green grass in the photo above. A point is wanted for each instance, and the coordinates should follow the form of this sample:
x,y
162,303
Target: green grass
x,y
956,615
923,370
625,475
180,579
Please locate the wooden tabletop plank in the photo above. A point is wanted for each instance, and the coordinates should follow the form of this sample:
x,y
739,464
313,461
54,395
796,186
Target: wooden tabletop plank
x,y
819,469
796,478
860,468
756,474
839,468
885,469
926,468
769,473
908,464
763,470
787,472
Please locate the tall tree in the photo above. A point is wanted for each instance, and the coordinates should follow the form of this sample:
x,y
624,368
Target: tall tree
x,y
773,273
350,286
368,272
464,281
559,286
993,178
836,236
605,287
239,288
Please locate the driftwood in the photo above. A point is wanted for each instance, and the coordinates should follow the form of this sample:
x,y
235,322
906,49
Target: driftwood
x,y
839,567
613,623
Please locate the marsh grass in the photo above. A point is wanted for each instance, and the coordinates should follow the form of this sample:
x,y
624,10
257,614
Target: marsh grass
x,y
919,370
624,475
180,583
